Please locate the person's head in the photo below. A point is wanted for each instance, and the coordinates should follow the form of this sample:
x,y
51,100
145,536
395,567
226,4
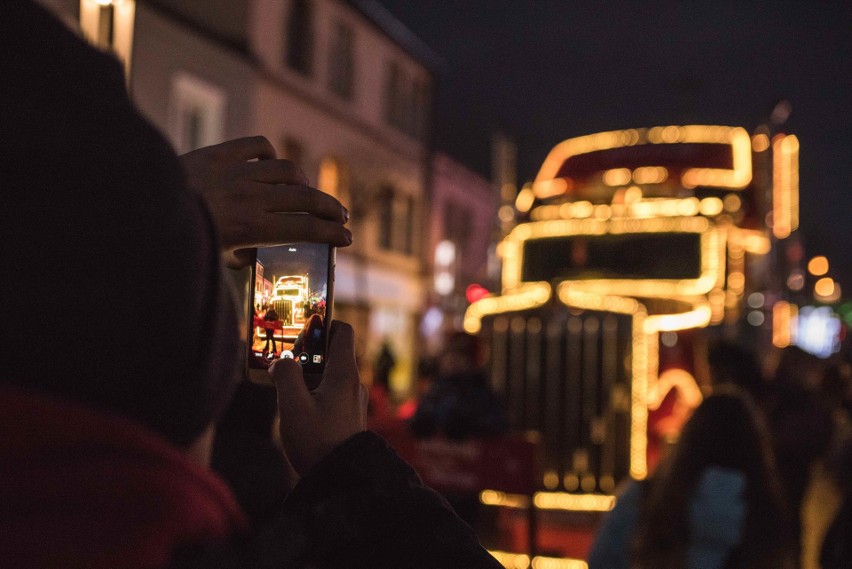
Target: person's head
x,y
725,431
732,364
798,369
462,354
113,293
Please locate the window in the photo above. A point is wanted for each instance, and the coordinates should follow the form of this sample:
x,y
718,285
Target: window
x,y
333,179
419,109
394,97
109,26
397,220
408,227
406,101
457,227
196,113
300,37
385,205
341,64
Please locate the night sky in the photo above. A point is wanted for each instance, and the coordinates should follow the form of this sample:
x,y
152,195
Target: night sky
x,y
547,70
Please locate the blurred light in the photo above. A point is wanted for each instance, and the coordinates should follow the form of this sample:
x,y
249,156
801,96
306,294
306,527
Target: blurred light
x,y
698,317
668,339
583,209
573,502
650,175
547,183
760,142
711,206
523,298
755,318
675,378
503,500
755,300
818,331
511,560
445,253
796,281
603,212
824,287
781,112
444,283
571,482
736,280
540,562
432,321
818,266
475,292
525,199
617,177
506,214
785,185
783,320
633,194
551,480
689,206
328,179
732,203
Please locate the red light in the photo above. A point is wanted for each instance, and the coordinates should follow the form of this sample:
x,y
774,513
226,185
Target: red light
x,y
476,292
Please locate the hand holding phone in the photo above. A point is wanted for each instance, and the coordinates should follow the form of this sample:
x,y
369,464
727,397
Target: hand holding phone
x,y
313,424
290,308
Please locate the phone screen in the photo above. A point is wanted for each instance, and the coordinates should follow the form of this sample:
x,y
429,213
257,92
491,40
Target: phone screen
x,y
291,304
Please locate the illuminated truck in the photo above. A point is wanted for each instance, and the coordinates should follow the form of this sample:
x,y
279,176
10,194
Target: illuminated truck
x,y
290,295
631,248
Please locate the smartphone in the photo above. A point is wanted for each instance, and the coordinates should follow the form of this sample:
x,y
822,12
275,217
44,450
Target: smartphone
x,y
290,308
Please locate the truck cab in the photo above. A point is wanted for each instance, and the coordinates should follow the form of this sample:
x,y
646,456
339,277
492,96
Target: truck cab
x,y
630,248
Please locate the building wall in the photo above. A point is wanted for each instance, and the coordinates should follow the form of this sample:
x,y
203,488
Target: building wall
x,y
463,210
166,55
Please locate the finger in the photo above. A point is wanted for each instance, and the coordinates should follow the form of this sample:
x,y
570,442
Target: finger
x,y
275,172
341,371
293,396
300,199
275,229
247,148
239,258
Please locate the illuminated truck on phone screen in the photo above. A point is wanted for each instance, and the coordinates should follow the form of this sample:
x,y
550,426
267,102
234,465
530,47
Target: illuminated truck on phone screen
x,y
632,247
290,296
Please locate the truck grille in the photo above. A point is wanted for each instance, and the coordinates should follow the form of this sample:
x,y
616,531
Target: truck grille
x,y
567,376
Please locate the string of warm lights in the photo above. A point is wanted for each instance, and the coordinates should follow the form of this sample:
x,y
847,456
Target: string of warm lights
x,y
785,185
549,184
523,561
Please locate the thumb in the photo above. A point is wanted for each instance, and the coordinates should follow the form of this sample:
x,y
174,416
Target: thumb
x,y
341,371
293,395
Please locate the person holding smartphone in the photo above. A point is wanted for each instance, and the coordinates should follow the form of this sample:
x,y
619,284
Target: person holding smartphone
x,y
110,241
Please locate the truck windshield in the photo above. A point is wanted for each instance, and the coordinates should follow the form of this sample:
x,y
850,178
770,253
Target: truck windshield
x,y
291,292
629,256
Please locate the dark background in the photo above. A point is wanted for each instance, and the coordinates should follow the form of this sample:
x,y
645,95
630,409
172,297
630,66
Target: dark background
x,y
546,70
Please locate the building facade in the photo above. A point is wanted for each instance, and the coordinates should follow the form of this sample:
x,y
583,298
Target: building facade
x,y
462,225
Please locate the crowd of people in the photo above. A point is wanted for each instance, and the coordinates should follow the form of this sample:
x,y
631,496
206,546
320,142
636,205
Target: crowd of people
x,y
734,491
143,446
